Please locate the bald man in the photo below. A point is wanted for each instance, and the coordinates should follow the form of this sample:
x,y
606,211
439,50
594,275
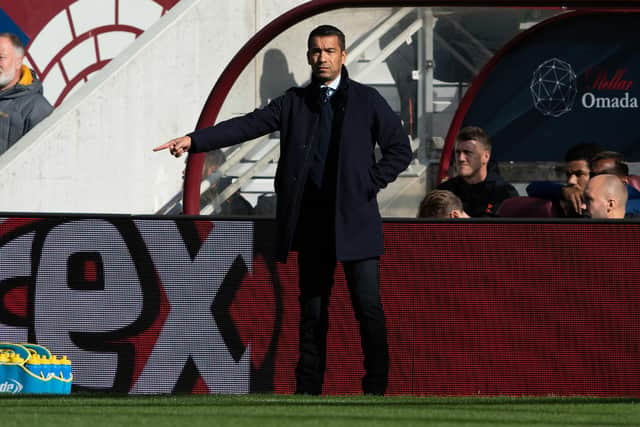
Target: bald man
x,y
605,197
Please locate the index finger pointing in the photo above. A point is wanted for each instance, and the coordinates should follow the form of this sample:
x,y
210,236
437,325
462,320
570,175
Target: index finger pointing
x,y
163,146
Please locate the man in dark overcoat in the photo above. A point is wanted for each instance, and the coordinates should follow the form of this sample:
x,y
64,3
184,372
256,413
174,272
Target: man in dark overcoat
x,y
326,184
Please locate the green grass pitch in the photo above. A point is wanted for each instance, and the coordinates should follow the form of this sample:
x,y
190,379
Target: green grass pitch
x,y
265,410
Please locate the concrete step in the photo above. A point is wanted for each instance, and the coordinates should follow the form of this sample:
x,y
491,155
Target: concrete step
x,y
400,199
262,149
258,185
269,171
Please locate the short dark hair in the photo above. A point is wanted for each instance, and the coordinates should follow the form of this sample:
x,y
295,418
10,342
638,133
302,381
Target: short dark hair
x,y
606,155
439,204
15,41
474,133
583,151
214,158
327,30
619,169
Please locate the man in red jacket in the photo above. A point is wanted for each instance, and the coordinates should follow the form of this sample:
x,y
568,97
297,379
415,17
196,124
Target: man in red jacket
x,y
326,182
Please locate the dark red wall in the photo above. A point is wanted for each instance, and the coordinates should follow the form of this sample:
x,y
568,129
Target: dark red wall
x,y
472,308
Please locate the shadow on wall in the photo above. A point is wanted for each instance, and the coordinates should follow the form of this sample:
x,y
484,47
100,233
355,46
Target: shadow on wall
x,y
276,77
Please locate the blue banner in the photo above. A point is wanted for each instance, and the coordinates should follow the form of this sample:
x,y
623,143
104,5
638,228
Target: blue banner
x,y
568,80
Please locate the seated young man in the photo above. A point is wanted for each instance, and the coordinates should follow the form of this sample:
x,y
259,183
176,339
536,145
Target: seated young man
x,y
577,169
234,204
480,189
584,161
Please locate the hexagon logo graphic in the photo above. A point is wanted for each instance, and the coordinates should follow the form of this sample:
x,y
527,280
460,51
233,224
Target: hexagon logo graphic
x,y
553,87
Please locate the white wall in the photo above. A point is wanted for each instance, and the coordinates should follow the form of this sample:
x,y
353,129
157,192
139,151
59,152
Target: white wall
x,y
258,78
93,154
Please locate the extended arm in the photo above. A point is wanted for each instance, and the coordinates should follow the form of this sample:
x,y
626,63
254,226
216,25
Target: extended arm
x,y
229,132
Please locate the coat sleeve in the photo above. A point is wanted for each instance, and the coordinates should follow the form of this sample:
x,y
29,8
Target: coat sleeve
x,y
239,129
393,141
40,108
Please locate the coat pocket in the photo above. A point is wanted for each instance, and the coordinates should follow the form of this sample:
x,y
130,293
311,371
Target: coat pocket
x,y
372,189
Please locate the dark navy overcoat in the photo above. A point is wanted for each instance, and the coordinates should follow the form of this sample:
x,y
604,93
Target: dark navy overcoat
x,y
366,119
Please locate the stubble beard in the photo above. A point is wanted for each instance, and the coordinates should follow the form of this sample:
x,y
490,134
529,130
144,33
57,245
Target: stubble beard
x,y
6,77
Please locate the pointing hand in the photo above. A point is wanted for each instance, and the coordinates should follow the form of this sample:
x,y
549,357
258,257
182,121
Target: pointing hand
x,y
177,147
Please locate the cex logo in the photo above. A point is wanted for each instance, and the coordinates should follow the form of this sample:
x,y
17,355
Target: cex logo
x,y
11,386
117,296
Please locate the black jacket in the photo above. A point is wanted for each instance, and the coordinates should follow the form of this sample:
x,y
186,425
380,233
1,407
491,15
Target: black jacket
x,y
366,119
482,199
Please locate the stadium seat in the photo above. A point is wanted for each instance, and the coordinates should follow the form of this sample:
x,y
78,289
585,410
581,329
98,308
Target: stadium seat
x,y
528,207
634,181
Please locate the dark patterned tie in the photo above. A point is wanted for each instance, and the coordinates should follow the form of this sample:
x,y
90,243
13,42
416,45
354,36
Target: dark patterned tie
x,y
324,136
325,92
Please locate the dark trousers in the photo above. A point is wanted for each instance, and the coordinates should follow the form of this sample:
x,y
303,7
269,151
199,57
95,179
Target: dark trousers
x,y
316,270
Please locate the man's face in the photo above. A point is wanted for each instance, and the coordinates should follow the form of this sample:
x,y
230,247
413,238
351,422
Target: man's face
x,y
578,173
471,158
206,170
326,58
595,200
10,63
